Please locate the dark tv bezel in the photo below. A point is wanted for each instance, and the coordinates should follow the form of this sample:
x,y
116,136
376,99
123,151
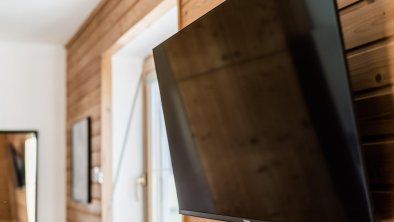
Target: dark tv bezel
x,y
219,217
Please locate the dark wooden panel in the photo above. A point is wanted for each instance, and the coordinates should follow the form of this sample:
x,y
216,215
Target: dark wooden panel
x,y
381,101
384,205
380,163
379,128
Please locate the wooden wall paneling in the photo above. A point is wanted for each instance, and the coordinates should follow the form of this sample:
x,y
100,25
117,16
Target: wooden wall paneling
x,y
380,172
93,208
194,219
78,215
382,100
5,194
108,38
100,24
346,3
191,10
384,205
368,30
141,25
372,67
369,23
84,86
91,23
89,88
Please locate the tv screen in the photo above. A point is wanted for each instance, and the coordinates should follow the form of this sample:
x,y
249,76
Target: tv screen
x,y
259,115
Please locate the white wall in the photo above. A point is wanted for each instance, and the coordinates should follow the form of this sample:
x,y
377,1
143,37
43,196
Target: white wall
x,y
32,96
128,197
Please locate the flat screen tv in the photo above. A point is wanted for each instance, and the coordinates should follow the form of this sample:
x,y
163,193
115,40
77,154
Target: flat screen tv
x,y
259,115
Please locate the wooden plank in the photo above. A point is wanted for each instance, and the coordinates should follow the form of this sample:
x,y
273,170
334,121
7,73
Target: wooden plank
x,y
92,208
379,159
77,81
369,23
353,7
139,10
84,102
194,219
91,23
377,128
372,67
384,205
179,9
6,194
192,10
99,27
382,102
147,21
346,3
82,216
92,112
86,69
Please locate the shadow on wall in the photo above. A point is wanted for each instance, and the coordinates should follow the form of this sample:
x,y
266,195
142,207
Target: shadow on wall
x,y
368,27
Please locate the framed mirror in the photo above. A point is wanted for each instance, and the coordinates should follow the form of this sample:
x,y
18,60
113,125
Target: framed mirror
x,y
18,176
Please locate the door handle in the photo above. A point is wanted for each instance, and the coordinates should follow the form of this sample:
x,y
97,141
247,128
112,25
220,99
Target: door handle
x,y
141,181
